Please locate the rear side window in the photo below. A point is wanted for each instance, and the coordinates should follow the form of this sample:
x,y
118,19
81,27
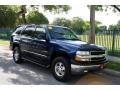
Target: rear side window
x,y
28,31
18,30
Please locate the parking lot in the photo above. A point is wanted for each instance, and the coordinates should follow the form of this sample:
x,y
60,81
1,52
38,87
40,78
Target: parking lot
x,y
31,74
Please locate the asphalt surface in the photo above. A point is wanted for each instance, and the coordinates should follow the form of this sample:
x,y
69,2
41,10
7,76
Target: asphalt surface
x,y
31,74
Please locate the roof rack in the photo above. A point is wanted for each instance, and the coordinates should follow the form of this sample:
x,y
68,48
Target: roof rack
x,y
44,25
25,24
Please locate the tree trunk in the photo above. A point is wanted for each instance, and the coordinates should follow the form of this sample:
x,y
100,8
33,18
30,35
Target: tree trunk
x,y
24,19
22,13
23,8
92,25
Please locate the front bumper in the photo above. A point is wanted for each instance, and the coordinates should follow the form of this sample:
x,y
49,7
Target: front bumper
x,y
94,61
77,68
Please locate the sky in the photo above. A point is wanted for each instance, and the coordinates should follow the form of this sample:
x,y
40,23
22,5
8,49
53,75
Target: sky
x,y
82,11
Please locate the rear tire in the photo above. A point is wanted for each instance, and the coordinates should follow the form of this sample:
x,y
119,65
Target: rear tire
x,y
61,69
17,55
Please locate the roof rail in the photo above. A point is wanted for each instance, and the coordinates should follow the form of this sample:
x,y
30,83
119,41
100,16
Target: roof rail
x,y
25,24
44,25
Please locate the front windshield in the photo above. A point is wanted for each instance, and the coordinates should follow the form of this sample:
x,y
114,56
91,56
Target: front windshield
x,y
62,33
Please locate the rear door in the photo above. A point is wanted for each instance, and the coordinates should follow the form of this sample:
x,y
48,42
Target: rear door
x,y
26,42
15,37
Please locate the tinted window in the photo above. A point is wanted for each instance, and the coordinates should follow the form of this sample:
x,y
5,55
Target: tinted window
x,y
18,30
29,31
62,33
40,32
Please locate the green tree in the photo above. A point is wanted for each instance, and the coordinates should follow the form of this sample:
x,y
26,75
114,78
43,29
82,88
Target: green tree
x,y
78,25
51,8
86,26
62,22
118,25
103,27
97,26
7,16
56,8
36,18
112,27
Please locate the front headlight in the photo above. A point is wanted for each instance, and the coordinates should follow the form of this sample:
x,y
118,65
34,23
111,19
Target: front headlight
x,y
82,53
79,55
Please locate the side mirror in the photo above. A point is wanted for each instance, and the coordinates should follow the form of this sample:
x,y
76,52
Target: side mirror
x,y
44,37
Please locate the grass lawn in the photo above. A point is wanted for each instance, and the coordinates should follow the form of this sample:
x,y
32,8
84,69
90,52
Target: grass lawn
x,y
4,42
113,65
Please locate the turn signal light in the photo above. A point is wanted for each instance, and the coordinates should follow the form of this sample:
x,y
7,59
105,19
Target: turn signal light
x,y
77,59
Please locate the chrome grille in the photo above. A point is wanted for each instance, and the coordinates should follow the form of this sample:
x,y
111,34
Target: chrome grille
x,y
97,53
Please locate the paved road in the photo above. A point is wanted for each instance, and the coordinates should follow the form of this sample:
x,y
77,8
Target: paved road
x,y
28,73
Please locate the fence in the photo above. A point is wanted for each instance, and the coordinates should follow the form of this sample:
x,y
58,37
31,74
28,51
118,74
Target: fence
x,y
108,38
5,33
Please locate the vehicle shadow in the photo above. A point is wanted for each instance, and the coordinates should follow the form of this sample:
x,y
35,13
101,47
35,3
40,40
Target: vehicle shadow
x,y
28,73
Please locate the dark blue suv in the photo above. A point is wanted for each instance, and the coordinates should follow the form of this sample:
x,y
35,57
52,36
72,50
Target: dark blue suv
x,y
56,47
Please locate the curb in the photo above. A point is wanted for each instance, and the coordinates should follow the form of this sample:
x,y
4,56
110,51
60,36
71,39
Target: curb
x,y
111,72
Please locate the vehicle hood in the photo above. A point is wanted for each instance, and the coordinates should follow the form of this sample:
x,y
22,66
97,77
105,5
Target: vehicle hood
x,y
77,45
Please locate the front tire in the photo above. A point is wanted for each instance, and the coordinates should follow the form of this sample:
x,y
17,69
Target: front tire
x,y
61,69
17,55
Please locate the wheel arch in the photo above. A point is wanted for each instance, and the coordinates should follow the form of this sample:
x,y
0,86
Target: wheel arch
x,y
15,45
59,54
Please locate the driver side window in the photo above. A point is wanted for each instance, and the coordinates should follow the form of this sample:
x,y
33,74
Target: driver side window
x,y
40,32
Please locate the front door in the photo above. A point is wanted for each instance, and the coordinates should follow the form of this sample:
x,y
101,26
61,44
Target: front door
x,y
40,46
